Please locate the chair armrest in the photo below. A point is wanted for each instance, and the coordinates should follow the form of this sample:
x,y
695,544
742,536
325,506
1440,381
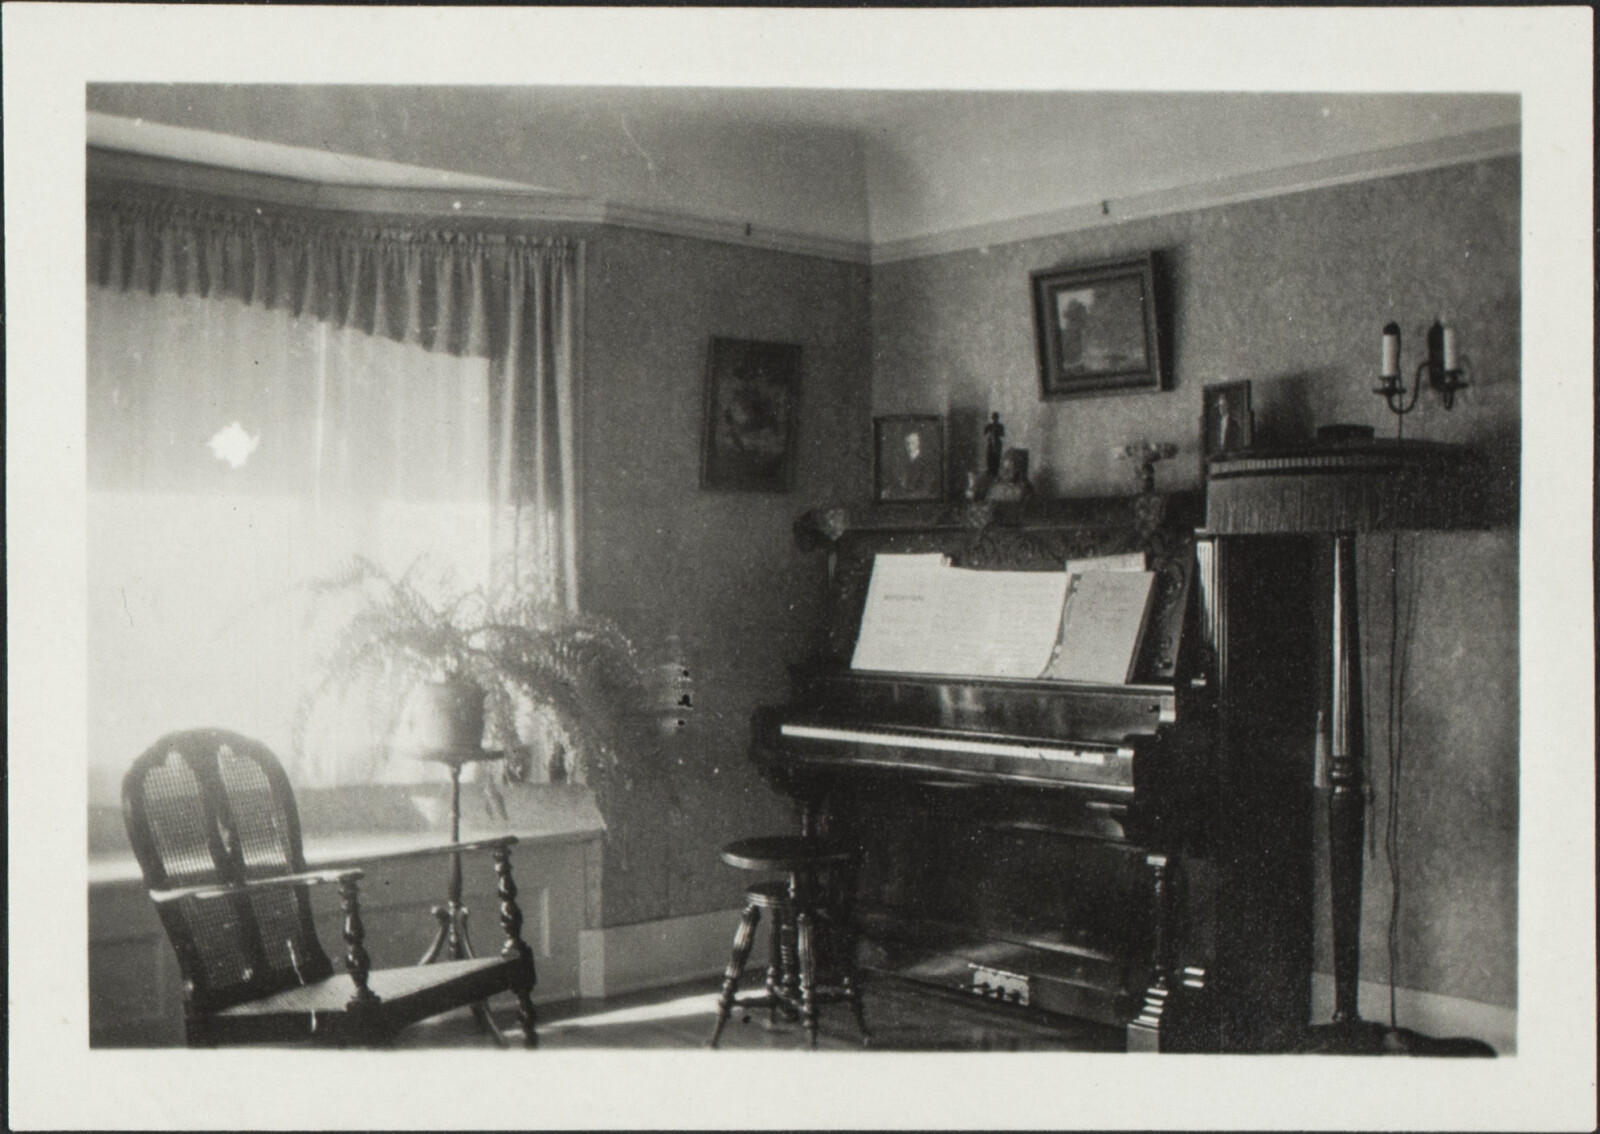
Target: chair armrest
x,y
304,878
426,852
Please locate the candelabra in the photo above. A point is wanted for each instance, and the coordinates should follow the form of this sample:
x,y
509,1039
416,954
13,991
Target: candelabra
x,y
1439,370
1146,454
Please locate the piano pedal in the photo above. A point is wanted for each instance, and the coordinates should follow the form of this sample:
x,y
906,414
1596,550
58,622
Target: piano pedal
x,y
999,985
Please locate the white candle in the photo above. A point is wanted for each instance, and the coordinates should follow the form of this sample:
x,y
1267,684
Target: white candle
x,y
1450,349
1391,351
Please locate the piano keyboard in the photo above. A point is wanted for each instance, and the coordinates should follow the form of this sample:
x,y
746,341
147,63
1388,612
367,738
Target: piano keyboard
x,y
1080,756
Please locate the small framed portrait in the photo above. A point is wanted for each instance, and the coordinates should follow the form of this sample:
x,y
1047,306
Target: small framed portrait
x,y
1097,328
752,396
1227,423
908,458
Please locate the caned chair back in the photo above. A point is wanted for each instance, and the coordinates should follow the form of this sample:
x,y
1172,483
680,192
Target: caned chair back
x,y
207,807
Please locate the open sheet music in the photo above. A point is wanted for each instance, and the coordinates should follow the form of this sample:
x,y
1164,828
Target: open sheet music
x,y
924,616
1102,624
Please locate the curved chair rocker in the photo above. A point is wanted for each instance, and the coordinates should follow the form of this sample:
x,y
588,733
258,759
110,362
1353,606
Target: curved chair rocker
x,y
213,823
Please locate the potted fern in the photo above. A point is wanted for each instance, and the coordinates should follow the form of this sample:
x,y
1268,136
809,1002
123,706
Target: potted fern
x,y
443,666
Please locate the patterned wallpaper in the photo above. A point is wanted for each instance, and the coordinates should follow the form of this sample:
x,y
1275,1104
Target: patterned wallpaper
x,y
1291,293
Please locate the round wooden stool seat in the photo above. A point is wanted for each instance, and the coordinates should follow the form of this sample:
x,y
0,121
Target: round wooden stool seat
x,y
785,853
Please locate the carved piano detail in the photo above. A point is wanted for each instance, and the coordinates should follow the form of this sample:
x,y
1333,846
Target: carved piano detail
x,y
1137,855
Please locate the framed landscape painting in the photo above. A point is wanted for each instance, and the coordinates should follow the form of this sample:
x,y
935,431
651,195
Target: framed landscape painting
x,y
752,393
1096,327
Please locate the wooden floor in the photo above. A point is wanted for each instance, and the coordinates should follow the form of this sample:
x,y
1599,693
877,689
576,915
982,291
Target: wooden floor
x,y
900,1017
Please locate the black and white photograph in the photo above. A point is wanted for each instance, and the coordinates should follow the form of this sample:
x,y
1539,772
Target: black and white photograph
x,y
1227,422
908,457
489,643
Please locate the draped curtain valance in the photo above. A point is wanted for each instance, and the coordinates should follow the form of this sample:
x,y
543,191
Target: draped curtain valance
x,y
444,288
441,286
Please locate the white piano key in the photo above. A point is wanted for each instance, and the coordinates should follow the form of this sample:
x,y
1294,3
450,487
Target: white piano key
x,y
1096,757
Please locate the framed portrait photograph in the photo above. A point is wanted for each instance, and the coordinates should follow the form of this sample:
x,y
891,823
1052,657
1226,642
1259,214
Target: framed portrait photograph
x,y
1227,423
908,458
752,396
1096,327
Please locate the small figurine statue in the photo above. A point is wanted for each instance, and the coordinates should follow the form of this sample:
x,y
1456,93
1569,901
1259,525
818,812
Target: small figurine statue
x,y
993,441
1011,478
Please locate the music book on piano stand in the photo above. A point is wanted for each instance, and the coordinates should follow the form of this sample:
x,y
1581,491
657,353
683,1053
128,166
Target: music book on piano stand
x,y
1102,626
924,616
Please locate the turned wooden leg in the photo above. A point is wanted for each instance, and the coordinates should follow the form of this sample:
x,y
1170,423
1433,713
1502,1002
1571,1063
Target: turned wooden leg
x,y
843,899
441,914
1347,805
850,981
1144,1030
741,953
808,974
774,966
790,963
852,993
515,948
357,964
1158,902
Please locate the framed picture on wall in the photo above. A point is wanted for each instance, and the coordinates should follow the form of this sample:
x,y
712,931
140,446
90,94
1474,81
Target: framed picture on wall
x,y
1227,423
908,458
752,399
1096,328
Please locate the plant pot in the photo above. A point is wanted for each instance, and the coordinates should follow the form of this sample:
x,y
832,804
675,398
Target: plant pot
x,y
443,715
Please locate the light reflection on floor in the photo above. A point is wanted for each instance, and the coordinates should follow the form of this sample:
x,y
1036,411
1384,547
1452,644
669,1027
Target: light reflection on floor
x,y
702,1006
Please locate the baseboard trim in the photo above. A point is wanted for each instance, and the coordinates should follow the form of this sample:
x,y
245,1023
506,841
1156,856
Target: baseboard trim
x,y
651,954
1428,1012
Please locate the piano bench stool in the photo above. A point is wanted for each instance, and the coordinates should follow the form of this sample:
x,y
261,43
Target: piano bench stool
x,y
798,910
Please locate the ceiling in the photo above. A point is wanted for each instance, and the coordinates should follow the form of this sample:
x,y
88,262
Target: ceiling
x,y
871,167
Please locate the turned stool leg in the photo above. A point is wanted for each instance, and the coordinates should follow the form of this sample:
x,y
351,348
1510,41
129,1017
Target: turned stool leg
x,y
775,974
805,926
850,983
741,953
844,908
808,973
790,962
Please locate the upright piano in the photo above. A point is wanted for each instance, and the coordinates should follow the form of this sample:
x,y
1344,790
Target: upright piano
x,y
1138,854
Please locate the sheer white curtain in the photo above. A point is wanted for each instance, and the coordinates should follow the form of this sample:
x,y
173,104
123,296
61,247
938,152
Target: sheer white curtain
x,y
267,395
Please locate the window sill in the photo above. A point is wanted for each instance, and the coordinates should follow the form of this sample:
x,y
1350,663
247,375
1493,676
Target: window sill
x,y
364,824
